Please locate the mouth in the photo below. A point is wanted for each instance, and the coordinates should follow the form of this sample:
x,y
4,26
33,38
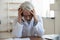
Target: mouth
x,y
28,20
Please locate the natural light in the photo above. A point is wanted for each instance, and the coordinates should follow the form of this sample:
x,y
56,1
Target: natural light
x,y
42,7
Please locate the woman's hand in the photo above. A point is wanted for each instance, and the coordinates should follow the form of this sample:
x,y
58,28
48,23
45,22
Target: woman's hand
x,y
34,15
19,15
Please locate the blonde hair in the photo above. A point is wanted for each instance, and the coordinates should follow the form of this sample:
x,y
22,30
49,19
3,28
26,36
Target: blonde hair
x,y
27,6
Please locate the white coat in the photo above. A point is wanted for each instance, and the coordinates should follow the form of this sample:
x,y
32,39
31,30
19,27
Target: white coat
x,y
25,29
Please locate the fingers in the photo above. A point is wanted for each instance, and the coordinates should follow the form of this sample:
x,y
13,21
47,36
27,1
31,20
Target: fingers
x,y
33,12
19,15
19,11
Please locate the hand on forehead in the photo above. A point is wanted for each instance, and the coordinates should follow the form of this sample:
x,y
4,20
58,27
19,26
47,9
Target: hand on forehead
x,y
26,12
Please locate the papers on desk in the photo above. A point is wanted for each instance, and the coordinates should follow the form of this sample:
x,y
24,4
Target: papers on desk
x,y
21,38
17,39
53,36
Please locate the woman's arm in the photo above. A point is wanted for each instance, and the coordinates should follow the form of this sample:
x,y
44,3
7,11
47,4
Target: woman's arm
x,y
17,29
38,27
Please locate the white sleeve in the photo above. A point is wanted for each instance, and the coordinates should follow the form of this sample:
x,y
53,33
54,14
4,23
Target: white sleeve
x,y
39,27
17,29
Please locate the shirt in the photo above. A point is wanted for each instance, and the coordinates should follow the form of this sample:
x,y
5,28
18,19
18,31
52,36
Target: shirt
x,y
25,29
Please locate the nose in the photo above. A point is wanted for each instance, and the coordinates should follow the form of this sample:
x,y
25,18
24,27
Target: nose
x,y
28,18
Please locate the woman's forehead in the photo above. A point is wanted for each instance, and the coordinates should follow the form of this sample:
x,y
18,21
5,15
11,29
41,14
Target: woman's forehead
x,y
26,12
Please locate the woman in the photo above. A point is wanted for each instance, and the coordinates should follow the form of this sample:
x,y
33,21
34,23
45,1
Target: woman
x,y
27,24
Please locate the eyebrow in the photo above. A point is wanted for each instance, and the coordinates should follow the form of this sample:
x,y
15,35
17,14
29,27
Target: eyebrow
x,y
26,15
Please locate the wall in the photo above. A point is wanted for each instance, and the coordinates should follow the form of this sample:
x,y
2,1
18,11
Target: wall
x,y
57,15
56,8
49,25
3,15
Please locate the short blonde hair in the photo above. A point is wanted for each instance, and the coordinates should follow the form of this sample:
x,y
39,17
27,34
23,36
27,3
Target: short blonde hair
x,y
27,6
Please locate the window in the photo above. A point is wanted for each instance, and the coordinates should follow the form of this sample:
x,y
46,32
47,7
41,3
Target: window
x,y
43,7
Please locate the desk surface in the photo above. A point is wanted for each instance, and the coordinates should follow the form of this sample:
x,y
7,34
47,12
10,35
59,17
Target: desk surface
x,y
53,36
16,39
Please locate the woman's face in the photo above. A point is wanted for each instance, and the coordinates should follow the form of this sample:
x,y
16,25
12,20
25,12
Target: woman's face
x,y
27,15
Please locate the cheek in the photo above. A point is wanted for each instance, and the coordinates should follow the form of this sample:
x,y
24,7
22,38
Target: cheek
x,y
31,17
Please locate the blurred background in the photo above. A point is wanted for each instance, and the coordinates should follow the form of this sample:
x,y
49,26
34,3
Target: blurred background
x,y
49,10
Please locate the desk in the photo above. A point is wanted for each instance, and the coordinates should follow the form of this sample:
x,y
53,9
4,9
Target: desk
x,y
16,39
51,37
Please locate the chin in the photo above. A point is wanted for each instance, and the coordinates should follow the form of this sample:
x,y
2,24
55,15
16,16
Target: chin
x,y
28,20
